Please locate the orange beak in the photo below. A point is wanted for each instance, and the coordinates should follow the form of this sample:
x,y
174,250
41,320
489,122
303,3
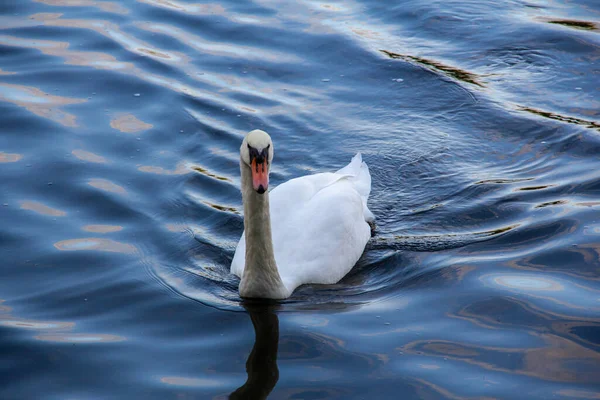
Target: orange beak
x,y
260,176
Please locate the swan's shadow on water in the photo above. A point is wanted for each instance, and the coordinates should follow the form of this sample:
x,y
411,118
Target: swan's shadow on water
x,y
261,365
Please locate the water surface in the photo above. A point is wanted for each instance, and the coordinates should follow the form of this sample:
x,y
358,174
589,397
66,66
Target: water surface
x,y
120,203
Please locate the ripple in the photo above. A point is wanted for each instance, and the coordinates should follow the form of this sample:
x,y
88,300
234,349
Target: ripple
x,y
550,295
88,156
180,169
42,209
205,172
36,325
2,72
588,204
102,5
438,67
561,118
575,24
81,338
39,103
128,123
61,49
552,203
219,207
203,9
220,49
578,394
193,382
542,363
106,185
525,282
539,187
10,157
102,228
500,181
96,244
437,242
113,32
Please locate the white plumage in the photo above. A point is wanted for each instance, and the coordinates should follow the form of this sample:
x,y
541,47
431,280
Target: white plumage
x,y
319,226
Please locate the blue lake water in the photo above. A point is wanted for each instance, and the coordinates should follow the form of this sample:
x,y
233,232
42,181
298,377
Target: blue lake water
x,y
120,125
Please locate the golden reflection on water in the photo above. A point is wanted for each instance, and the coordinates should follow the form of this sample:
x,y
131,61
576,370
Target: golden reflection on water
x,y
97,244
107,6
192,382
524,282
128,123
188,8
102,228
112,31
61,49
559,360
79,338
176,228
588,252
221,49
108,62
9,158
11,322
562,360
181,169
104,184
38,102
429,366
366,33
535,287
578,394
588,204
87,156
42,209
45,16
54,331
439,391
2,72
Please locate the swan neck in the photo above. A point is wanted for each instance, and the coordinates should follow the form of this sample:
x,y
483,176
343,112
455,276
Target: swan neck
x,y
261,277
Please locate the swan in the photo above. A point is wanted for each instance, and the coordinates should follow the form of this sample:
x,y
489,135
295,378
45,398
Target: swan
x,y
311,229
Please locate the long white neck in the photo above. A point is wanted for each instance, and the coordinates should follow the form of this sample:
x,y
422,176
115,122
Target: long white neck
x,y
261,277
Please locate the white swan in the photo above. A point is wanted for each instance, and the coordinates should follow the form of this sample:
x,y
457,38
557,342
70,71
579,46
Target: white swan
x,y
311,229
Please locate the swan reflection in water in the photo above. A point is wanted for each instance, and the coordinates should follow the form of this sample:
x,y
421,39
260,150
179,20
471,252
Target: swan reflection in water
x,y
261,365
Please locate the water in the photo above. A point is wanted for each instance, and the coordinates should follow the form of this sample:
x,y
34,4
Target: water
x,y
120,203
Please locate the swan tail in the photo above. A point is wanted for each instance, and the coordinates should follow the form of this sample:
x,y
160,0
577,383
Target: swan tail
x,y
360,176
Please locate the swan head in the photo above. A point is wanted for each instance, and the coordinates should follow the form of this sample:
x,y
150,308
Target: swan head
x,y
257,153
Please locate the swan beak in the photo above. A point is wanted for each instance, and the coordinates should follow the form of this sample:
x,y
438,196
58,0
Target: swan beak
x,y
260,175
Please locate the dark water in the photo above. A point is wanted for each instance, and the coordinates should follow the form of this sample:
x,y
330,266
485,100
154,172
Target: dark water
x,y
120,207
